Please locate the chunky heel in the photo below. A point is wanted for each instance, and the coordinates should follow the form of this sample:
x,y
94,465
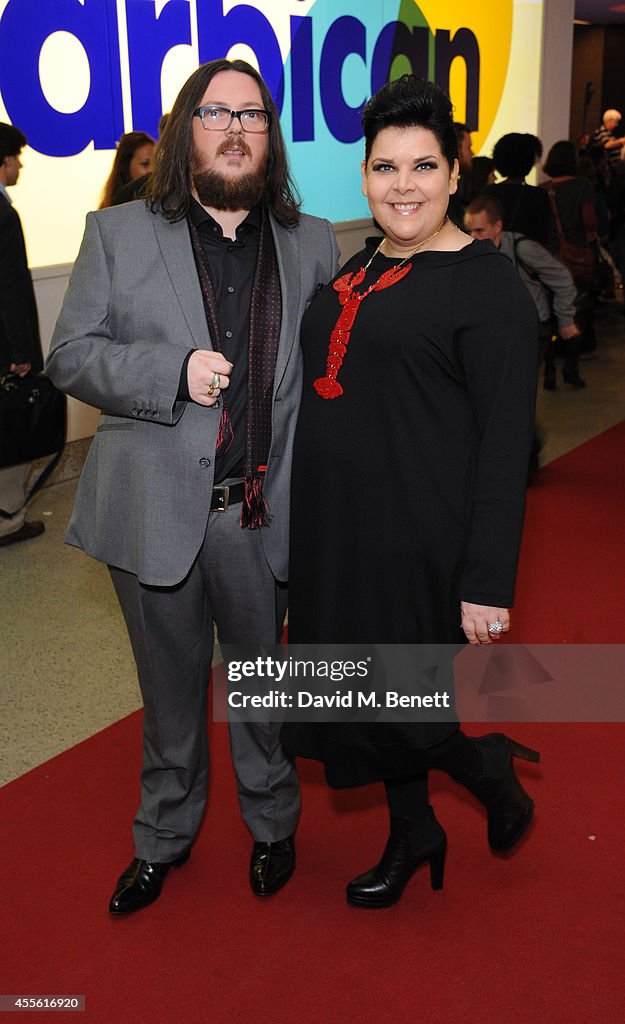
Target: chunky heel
x,y
437,867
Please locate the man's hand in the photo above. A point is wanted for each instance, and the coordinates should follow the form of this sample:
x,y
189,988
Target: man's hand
x,y
21,369
476,619
572,331
201,370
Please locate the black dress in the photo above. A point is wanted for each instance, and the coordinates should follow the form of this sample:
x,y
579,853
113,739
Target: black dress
x,y
408,491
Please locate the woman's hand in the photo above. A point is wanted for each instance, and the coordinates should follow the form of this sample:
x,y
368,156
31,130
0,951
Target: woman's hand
x,y
476,619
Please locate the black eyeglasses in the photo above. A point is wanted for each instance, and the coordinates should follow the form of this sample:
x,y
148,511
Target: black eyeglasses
x,y
219,119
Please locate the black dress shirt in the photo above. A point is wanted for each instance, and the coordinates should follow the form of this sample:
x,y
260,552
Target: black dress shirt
x,y
232,266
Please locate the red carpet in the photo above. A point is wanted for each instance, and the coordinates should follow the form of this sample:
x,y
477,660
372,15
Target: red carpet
x,y
571,581
537,936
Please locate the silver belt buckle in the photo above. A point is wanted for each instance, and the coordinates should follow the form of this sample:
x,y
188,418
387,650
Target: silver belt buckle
x,y
223,498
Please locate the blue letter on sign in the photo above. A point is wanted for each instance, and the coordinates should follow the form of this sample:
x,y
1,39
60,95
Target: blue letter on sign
x,y
243,24
24,28
149,40
302,96
347,35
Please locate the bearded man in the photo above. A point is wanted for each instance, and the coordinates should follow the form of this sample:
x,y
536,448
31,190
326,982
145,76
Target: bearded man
x,y
181,324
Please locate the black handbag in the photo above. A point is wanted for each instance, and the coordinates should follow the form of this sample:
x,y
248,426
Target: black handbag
x,y
33,416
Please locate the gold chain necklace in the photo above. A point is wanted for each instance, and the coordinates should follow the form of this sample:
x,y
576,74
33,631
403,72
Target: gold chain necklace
x,y
328,386
440,227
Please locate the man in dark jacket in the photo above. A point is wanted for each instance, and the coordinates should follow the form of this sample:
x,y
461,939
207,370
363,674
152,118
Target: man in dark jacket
x,y
20,345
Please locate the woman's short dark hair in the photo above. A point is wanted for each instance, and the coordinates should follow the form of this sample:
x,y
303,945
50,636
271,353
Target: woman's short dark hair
x,y
515,154
169,187
120,171
561,160
411,102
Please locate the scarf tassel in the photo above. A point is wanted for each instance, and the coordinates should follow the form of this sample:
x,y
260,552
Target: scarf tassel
x,y
254,512
225,435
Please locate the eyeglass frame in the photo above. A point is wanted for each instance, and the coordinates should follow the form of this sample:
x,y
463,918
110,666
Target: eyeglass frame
x,y
233,114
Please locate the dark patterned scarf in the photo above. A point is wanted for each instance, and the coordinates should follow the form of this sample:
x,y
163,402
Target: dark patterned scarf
x,y
265,321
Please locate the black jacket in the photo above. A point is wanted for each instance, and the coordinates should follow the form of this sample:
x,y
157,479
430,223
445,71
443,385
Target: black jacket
x,y
19,323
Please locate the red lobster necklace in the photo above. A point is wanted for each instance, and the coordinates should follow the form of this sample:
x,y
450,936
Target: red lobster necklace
x,y
328,386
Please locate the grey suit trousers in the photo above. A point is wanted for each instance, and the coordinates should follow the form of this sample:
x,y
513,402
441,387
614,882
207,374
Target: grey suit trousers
x,y
171,631
12,493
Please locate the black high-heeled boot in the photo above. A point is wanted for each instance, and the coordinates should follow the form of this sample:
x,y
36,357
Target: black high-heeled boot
x,y
409,845
549,381
510,809
570,370
570,374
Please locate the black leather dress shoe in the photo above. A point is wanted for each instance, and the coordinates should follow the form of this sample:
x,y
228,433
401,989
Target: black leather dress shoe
x,y
30,529
141,884
271,866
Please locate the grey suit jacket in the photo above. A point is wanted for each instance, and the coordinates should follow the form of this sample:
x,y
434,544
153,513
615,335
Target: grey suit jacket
x,y
132,311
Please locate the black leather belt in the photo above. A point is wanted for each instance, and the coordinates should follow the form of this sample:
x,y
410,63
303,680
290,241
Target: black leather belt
x,y
225,495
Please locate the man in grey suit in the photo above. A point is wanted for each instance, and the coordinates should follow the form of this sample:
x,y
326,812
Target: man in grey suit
x,y
181,323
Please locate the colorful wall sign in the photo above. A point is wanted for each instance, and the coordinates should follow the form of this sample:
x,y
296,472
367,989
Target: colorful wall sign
x,y
75,74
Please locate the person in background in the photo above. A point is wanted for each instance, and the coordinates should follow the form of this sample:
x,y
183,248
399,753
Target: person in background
x,y
525,208
572,198
541,273
482,174
608,137
133,159
20,344
459,199
605,270
181,321
587,168
135,189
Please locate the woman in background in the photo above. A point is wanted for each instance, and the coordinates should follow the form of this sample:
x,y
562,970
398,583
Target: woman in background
x,y
409,470
482,174
572,201
525,207
133,159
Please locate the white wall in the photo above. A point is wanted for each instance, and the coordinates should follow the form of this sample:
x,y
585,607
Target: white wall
x,y
556,69
50,287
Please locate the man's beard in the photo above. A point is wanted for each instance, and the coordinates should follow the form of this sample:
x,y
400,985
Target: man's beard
x,y
221,193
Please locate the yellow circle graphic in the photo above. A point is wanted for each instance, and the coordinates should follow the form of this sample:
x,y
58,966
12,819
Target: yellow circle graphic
x,y
491,24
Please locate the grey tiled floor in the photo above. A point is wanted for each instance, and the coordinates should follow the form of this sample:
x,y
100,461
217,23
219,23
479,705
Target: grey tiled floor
x,y
66,666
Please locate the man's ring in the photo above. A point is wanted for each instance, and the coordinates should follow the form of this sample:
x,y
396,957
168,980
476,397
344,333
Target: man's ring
x,y
216,381
495,628
210,391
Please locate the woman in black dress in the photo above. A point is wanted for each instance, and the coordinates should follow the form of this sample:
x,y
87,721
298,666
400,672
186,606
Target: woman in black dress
x,y
524,206
409,473
574,217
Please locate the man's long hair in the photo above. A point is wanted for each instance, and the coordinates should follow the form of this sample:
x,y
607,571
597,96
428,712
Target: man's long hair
x,y
169,187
